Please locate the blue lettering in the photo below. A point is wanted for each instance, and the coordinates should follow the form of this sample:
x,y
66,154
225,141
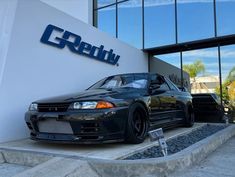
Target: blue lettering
x,y
46,36
78,46
84,48
71,45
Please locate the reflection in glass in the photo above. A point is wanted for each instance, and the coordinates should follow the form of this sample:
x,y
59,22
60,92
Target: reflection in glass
x,y
225,17
228,80
159,23
174,74
173,58
130,22
107,20
228,72
195,20
102,3
203,68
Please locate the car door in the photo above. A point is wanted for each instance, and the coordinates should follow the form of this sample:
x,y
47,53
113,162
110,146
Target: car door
x,y
162,103
179,100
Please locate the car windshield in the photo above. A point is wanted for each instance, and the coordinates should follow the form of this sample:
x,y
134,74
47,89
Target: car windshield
x,y
122,81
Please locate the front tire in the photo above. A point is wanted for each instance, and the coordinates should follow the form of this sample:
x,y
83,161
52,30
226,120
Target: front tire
x,y
189,117
137,124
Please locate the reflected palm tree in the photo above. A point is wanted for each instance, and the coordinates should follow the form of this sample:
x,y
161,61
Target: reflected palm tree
x,y
193,70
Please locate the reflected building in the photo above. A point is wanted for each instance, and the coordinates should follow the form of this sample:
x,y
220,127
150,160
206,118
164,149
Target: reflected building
x,y
178,32
204,84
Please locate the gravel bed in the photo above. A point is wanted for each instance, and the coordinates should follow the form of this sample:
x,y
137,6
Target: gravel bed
x,y
179,143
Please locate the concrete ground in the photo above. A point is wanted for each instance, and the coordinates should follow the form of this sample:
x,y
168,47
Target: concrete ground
x,y
220,163
9,170
16,161
103,151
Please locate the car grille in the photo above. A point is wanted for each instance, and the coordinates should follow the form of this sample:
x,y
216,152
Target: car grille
x,y
53,126
53,107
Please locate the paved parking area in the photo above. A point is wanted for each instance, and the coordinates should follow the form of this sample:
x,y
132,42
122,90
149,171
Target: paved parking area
x,y
220,163
104,151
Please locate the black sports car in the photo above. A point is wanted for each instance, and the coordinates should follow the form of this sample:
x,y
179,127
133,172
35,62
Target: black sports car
x,y
117,108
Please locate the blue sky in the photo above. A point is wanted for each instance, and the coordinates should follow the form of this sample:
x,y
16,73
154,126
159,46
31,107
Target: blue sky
x,y
195,21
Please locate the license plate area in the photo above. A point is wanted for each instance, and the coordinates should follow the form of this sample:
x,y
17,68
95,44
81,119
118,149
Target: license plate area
x,y
51,125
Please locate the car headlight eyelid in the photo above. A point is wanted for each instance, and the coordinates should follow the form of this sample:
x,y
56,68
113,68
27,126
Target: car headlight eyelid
x,y
91,105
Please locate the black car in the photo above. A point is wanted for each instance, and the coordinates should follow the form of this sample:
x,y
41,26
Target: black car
x,y
117,108
208,108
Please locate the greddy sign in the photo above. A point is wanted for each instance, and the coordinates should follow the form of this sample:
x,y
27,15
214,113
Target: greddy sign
x,y
78,46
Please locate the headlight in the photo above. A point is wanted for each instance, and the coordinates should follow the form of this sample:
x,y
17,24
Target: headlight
x,y
33,107
92,105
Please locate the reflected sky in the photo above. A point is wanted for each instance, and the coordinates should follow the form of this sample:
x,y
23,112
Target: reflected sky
x,y
195,21
209,57
136,3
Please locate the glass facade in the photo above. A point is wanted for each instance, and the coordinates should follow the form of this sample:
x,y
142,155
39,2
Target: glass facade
x,y
109,14
195,20
160,23
130,23
225,17
228,72
164,22
172,58
203,68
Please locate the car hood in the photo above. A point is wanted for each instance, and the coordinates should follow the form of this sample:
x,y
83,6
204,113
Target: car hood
x,y
95,94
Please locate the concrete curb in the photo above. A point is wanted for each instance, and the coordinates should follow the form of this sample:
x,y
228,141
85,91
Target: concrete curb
x,y
2,160
60,167
23,158
163,166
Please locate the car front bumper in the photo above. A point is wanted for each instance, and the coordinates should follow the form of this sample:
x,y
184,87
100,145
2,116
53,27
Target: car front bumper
x,y
81,127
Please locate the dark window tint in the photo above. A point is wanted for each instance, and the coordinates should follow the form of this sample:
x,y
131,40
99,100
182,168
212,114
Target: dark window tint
x,y
171,85
157,79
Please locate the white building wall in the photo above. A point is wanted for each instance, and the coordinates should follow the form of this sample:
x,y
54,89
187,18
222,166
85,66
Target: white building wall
x,y
34,70
80,9
7,15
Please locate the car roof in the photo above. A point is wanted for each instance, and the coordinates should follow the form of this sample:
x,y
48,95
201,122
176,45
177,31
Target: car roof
x,y
126,74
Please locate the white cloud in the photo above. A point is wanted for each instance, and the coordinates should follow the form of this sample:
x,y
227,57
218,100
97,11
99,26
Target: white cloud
x,y
201,54
205,53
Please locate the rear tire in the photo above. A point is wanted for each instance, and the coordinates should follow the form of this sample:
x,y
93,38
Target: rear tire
x,y
189,117
137,124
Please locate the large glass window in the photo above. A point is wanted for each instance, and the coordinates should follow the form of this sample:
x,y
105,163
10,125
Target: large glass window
x,y
159,23
102,3
195,20
228,73
130,22
174,74
203,68
173,58
225,17
107,20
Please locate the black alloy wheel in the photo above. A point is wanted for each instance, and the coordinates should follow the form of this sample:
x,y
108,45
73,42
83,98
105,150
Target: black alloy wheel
x,y
137,124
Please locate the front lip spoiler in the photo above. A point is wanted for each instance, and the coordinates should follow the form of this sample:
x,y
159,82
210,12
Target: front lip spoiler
x,y
77,139
76,142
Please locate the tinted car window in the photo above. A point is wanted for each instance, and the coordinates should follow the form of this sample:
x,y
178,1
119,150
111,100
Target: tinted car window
x,y
161,81
171,85
122,81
